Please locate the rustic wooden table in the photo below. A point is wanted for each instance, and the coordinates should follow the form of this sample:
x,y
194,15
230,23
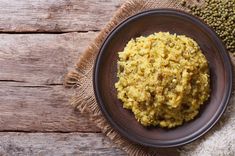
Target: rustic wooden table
x,y
39,42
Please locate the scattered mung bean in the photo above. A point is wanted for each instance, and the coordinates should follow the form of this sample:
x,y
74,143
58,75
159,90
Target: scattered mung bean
x,y
220,15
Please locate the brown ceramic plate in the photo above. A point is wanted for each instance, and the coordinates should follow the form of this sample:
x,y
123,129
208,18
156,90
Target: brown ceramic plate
x,y
146,23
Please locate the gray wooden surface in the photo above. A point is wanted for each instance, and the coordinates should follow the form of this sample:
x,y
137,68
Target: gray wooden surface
x,y
56,144
55,15
40,40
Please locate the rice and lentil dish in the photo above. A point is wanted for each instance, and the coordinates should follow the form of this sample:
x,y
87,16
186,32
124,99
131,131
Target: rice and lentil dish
x,y
163,79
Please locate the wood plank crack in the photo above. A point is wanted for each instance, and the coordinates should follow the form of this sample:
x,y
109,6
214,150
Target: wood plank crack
x,y
49,32
12,81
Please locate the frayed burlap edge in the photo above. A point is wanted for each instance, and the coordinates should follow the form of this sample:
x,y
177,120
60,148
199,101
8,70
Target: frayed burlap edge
x,y
81,78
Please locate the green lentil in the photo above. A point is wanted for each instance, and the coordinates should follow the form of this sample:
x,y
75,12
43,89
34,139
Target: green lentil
x,y
220,15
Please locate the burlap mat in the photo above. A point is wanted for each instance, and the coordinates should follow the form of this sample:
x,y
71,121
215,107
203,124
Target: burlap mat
x,y
84,100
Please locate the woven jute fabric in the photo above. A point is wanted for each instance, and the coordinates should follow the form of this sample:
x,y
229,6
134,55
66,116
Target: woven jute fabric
x,y
80,79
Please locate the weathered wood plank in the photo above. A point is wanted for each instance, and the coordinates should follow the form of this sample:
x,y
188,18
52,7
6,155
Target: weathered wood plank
x,y
40,58
39,108
58,144
32,67
55,15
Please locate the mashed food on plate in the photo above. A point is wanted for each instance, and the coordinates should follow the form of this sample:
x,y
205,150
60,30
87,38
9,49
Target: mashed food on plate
x,y
163,79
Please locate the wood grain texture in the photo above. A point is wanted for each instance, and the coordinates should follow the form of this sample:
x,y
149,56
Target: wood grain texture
x,y
32,97
32,66
56,144
55,15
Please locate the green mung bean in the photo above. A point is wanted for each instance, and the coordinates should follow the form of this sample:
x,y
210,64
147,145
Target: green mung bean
x,y
220,15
